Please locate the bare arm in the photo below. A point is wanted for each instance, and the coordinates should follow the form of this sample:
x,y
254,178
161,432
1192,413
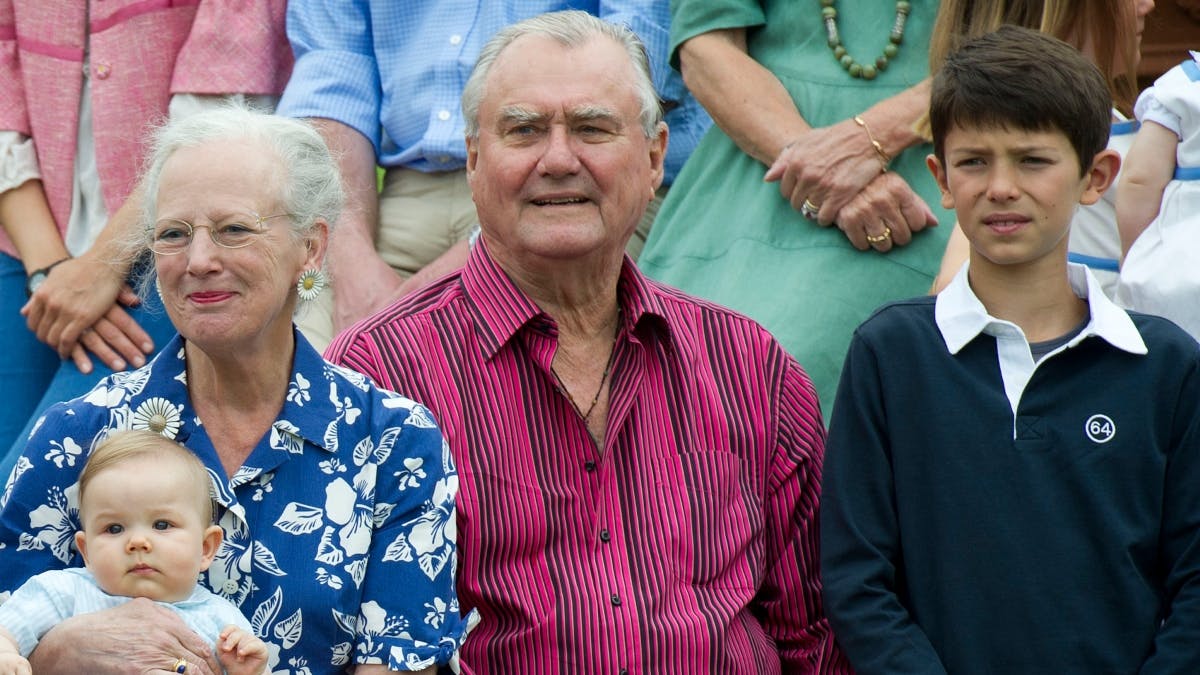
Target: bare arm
x,y
137,636
362,281
1149,166
26,218
745,99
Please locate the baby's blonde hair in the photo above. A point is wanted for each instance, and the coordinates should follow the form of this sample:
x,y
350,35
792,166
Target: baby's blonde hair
x,y
123,446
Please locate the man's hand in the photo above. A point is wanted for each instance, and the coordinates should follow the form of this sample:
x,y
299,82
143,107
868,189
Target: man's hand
x,y
80,308
138,637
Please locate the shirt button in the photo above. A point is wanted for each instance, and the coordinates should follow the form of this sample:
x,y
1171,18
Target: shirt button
x,y
589,466
616,600
455,39
444,159
230,587
605,536
443,115
103,70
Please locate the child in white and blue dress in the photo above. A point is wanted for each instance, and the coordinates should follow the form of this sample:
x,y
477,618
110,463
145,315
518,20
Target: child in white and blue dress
x,y
1158,201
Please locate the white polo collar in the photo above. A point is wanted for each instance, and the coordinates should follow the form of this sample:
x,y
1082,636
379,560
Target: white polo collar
x,y
961,317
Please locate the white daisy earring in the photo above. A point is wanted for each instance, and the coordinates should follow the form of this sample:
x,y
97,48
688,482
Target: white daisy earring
x,y
310,284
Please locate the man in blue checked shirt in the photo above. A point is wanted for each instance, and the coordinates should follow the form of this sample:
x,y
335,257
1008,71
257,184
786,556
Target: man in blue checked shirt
x,y
382,79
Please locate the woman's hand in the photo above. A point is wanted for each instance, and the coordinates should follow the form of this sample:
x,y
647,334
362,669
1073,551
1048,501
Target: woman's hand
x,y
828,167
80,308
886,213
136,637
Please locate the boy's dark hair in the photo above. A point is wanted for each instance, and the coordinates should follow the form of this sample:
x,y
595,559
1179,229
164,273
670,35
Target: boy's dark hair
x,y
1019,78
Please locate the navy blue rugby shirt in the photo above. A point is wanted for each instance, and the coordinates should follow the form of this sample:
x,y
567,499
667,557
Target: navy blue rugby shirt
x,y
983,514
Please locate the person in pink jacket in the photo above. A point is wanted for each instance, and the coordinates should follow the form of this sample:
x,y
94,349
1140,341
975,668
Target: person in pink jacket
x,y
81,81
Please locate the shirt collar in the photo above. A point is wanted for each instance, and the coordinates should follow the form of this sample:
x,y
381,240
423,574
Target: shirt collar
x,y
502,309
309,416
961,317
310,404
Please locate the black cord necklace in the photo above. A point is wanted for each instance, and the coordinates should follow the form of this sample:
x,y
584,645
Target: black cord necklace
x,y
587,415
612,352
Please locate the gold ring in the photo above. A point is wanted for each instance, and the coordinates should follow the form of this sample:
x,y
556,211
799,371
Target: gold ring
x,y
809,210
181,666
887,232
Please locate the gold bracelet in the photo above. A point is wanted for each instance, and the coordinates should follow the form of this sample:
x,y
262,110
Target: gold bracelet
x,y
884,158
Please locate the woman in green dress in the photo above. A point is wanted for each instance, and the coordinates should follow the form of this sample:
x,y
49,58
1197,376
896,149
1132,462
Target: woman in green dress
x,y
822,98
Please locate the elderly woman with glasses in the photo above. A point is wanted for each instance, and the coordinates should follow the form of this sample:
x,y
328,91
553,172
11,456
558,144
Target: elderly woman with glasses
x,y
336,498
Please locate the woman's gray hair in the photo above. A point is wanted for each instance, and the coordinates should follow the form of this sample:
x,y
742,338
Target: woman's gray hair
x,y
311,183
571,28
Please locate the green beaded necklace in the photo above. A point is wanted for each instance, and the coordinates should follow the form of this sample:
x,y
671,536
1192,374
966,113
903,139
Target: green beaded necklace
x,y
867,71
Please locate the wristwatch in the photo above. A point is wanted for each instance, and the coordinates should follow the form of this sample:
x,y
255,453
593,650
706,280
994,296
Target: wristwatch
x,y
37,277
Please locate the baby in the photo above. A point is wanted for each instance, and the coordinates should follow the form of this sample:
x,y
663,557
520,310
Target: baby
x,y
149,542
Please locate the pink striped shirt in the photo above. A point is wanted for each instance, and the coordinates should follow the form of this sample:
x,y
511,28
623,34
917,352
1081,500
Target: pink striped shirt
x,y
688,545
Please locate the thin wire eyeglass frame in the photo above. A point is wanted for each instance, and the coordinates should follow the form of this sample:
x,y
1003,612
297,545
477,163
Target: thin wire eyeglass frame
x,y
213,233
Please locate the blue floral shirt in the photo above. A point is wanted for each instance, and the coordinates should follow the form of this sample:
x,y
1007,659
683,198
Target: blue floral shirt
x,y
339,527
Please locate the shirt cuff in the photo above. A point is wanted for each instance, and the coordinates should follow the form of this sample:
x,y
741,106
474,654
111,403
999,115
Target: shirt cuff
x,y
18,160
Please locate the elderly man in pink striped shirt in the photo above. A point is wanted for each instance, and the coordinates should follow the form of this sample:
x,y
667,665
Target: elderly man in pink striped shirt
x,y
640,469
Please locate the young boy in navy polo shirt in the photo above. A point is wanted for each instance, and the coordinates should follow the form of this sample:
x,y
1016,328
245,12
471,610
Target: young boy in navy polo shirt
x,y
1012,473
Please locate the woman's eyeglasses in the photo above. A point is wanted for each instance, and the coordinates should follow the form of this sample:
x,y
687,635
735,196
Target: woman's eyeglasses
x,y
173,236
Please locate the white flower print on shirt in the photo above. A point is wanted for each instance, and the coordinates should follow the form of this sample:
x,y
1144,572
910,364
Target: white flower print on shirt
x,y
412,473
433,533
285,436
429,538
345,409
298,390
52,524
23,464
65,453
